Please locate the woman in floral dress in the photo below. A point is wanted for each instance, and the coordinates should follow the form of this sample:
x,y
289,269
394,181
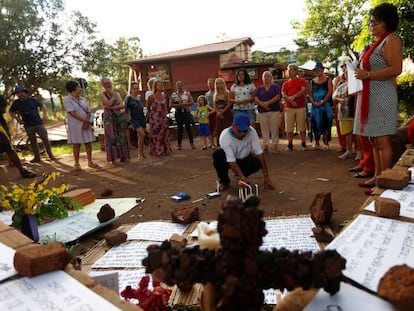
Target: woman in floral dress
x,y
116,143
159,131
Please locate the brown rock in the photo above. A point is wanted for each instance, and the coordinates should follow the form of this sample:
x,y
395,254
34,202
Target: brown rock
x,y
321,235
82,196
386,207
393,179
106,192
296,300
397,286
185,214
115,237
36,259
321,208
178,241
105,213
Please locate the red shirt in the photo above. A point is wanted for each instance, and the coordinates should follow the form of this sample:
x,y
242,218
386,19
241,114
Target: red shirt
x,y
291,87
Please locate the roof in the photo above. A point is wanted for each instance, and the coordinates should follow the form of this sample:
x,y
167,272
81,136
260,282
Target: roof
x,y
212,48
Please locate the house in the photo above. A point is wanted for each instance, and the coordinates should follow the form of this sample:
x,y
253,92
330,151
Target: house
x,y
195,65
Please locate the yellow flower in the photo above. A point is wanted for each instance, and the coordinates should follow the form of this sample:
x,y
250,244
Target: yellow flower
x,y
36,199
6,205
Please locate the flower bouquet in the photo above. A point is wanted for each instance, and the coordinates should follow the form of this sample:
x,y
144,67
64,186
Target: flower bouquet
x,y
37,202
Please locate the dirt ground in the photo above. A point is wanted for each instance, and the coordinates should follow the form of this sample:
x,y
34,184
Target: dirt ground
x,y
294,174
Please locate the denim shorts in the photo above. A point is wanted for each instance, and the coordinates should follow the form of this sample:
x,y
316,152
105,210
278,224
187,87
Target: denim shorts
x,y
137,124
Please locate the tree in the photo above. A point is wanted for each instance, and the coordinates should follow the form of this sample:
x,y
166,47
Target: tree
x,y
405,31
331,26
42,42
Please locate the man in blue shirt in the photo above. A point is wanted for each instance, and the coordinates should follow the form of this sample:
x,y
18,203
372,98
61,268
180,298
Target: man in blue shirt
x,y
25,110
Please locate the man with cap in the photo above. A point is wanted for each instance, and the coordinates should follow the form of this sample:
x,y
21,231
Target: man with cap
x,y
25,109
6,146
240,150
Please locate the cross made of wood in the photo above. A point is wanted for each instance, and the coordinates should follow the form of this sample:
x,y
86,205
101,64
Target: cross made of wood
x,y
239,272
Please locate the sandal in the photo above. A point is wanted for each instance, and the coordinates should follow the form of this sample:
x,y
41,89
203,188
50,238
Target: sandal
x,y
355,169
359,175
93,165
363,184
27,174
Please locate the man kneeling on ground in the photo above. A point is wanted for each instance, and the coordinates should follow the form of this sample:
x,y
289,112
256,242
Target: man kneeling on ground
x,y
240,150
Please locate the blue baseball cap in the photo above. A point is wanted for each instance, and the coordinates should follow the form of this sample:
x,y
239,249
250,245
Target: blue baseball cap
x,y
19,89
242,121
318,66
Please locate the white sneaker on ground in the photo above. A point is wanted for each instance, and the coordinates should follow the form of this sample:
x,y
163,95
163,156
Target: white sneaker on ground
x,y
358,156
345,155
316,147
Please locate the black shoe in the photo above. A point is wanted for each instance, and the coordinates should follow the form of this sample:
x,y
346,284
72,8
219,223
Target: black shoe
x,y
27,174
355,169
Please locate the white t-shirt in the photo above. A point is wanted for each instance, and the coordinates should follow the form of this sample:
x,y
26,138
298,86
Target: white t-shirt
x,y
241,93
235,148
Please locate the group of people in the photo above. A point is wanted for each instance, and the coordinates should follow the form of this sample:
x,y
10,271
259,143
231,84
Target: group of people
x,y
227,117
367,118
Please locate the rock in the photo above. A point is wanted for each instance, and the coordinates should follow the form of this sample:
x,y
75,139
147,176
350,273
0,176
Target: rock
x,y
178,241
397,286
106,192
321,209
321,235
386,207
115,237
105,213
185,214
37,259
393,179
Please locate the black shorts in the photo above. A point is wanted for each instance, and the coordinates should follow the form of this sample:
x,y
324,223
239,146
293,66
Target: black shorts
x,y
5,145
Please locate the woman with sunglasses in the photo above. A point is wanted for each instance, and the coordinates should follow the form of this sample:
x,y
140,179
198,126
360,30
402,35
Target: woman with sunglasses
x,y
377,104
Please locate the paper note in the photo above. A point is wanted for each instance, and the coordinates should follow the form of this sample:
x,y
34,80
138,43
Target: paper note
x,y
126,255
290,233
372,245
71,228
348,298
50,291
155,231
354,84
6,262
404,196
125,277
108,279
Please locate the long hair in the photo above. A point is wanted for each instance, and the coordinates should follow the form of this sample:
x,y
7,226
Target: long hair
x,y
246,77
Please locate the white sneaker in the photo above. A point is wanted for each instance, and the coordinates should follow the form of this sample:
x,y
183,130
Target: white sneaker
x,y
345,155
325,147
358,156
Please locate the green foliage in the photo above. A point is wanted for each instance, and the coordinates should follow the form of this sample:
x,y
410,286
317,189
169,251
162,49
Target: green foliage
x,y
405,89
331,27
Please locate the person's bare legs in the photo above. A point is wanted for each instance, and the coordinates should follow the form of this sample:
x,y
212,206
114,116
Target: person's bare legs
x,y
88,148
76,152
141,137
